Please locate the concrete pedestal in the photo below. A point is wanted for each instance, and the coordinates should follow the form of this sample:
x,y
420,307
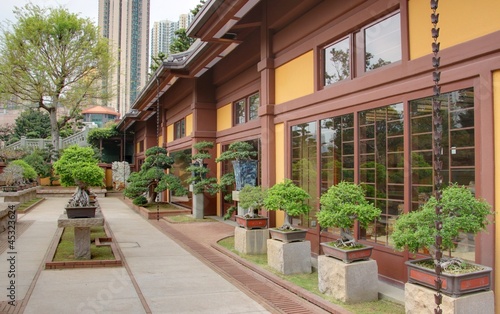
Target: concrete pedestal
x,y
289,258
82,232
198,206
420,300
251,241
350,283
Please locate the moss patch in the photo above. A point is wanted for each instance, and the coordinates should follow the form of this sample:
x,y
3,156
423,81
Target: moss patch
x,y
65,248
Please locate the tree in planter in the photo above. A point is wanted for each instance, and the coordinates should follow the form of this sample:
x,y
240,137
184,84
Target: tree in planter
x,y
252,199
78,166
242,155
152,179
199,179
461,212
29,173
288,197
341,206
12,175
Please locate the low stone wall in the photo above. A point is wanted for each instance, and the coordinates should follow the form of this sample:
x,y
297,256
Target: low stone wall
x,y
65,192
7,213
20,196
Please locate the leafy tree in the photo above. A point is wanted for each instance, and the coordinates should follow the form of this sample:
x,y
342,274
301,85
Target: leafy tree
x,y
40,161
182,42
54,59
32,124
198,7
156,61
152,178
29,173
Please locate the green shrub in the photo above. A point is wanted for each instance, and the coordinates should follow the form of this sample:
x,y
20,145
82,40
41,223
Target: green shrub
x,y
71,157
140,200
28,172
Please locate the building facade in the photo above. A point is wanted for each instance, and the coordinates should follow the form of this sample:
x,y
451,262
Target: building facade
x,y
163,33
126,24
339,90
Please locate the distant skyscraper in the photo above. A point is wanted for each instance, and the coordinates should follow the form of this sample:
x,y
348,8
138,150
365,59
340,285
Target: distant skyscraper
x,y
126,23
163,33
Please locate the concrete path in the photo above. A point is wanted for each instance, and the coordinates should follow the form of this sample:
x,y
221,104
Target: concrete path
x,y
159,276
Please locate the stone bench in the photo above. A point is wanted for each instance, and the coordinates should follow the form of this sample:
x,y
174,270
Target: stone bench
x,y
6,214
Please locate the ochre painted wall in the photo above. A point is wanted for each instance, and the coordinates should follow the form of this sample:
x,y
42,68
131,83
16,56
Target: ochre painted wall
x,y
459,21
170,133
160,140
496,105
189,124
279,138
224,118
295,78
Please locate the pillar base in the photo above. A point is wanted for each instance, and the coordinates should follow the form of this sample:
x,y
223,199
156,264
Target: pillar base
x,y
251,242
289,258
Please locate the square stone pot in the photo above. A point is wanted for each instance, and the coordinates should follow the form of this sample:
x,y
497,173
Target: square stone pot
x,y
454,285
81,212
346,255
251,223
288,236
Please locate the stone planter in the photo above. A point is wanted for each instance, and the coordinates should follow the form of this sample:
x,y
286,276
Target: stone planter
x,y
80,212
251,223
346,255
288,236
454,285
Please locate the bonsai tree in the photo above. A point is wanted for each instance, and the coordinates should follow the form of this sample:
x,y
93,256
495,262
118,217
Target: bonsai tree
x,y
152,178
288,197
78,166
241,155
341,206
461,212
200,179
40,161
29,174
12,175
252,199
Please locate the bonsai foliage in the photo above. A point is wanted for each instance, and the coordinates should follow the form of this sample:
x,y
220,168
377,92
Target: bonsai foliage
x,y
341,205
199,172
29,174
78,166
238,151
40,161
288,197
241,152
461,212
152,178
252,199
12,175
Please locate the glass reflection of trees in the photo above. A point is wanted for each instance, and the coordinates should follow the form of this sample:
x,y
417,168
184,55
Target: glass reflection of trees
x,y
182,160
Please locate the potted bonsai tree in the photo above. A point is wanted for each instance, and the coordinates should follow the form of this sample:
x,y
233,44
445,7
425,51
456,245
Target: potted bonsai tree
x,y
200,181
462,213
29,174
241,155
251,199
12,177
341,206
291,199
78,166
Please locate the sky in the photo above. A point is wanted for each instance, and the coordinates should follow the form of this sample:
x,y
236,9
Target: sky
x,y
159,9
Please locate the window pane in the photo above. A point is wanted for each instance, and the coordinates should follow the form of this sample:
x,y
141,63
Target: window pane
x,y
337,62
254,103
239,108
383,43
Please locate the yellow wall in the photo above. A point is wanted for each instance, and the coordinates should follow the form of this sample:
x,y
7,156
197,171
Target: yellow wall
x,y
459,21
189,124
224,118
295,78
279,137
137,148
160,140
170,133
496,105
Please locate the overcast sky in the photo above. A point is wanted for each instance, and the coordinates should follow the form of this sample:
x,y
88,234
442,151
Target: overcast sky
x,y
160,9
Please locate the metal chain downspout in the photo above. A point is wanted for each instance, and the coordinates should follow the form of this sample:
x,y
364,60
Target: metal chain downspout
x,y
157,134
438,151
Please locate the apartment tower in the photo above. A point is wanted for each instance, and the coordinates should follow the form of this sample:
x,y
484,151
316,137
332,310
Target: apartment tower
x,y
126,23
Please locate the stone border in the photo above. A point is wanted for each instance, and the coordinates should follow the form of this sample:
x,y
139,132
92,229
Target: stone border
x,y
144,212
50,264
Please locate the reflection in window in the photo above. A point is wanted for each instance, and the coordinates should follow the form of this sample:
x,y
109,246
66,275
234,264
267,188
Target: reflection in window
x,y
381,168
179,129
457,110
337,62
246,109
182,160
304,166
383,43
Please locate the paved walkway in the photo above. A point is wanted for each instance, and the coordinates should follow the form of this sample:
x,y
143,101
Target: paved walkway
x,y
168,268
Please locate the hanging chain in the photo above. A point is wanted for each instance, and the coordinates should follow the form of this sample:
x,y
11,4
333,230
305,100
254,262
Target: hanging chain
x,y
157,137
438,152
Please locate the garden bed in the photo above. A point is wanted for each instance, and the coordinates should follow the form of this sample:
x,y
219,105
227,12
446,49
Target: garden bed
x,y
103,249
165,209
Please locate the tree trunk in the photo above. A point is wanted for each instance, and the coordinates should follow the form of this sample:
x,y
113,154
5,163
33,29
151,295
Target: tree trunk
x,y
54,131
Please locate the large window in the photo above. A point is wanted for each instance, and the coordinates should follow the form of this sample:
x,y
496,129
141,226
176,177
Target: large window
x,y
179,129
372,46
381,166
246,109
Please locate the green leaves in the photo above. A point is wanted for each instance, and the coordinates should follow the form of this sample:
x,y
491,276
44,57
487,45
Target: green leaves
x,y
288,197
74,157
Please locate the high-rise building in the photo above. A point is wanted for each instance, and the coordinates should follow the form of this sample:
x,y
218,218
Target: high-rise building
x,y
163,33
126,23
